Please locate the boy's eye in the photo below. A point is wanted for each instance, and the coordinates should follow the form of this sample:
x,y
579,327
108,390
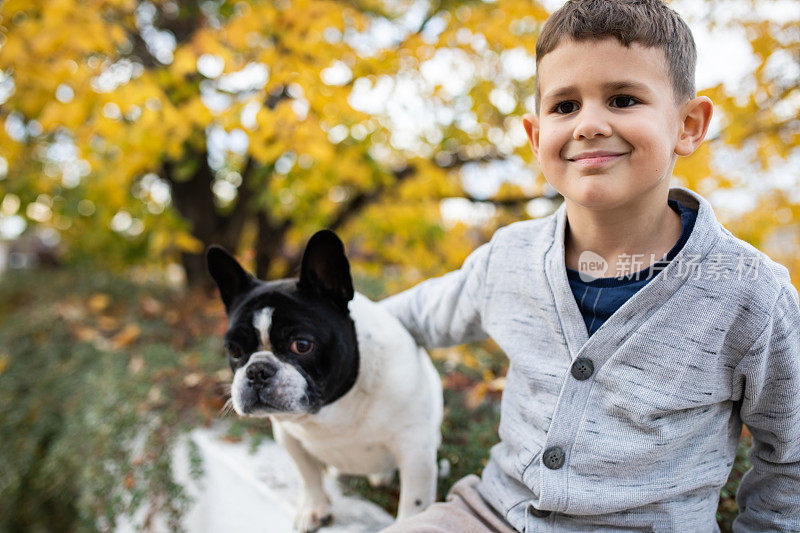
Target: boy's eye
x,y
623,101
565,108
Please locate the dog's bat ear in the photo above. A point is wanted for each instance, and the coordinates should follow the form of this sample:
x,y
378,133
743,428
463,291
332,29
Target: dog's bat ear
x,y
325,268
232,280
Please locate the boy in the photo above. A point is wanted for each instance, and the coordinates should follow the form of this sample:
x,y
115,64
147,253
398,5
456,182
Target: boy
x,y
625,395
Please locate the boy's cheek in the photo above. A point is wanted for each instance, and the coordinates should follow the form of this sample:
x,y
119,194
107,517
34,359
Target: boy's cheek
x,y
550,148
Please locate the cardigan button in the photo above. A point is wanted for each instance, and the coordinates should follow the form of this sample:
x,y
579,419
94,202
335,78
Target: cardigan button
x,y
538,513
582,368
553,458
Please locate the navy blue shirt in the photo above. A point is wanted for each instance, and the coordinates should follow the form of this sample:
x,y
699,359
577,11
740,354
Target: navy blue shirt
x,y
599,298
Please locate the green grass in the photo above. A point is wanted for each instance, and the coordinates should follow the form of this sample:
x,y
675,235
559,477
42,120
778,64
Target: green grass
x,y
89,408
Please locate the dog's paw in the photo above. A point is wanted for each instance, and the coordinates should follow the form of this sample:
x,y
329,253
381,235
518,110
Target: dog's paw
x,y
312,517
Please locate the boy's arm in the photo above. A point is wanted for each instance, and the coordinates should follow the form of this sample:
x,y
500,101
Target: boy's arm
x,y
769,494
446,310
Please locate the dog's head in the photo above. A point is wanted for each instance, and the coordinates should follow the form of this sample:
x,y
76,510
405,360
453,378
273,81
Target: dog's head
x,y
291,343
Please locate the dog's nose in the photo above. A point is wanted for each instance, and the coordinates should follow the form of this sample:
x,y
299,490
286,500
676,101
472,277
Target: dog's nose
x,y
260,372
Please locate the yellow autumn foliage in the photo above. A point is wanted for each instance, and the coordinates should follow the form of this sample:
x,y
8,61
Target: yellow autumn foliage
x,y
118,85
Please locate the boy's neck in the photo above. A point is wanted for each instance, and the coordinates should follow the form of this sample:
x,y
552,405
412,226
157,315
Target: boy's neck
x,y
628,238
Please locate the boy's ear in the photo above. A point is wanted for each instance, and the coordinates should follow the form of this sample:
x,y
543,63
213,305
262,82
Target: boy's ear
x,y
696,115
531,123
232,280
325,269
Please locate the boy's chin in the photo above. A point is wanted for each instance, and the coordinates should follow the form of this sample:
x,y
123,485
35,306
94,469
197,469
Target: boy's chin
x,y
595,198
600,194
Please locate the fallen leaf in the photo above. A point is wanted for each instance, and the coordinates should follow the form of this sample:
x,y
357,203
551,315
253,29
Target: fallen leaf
x,y
102,344
455,381
3,363
136,364
476,395
108,323
191,359
193,379
126,337
69,311
470,362
150,306
497,384
86,334
172,317
224,375
98,302
154,395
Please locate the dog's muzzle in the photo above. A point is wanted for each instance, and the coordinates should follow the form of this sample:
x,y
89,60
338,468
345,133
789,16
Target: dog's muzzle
x,y
266,385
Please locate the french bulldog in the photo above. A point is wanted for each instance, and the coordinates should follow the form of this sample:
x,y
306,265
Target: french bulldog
x,y
342,382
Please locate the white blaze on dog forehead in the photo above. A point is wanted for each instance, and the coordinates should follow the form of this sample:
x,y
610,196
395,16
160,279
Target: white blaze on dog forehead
x,y
262,321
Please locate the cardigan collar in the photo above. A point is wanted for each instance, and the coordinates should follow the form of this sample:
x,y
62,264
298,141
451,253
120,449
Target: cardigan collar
x,y
646,301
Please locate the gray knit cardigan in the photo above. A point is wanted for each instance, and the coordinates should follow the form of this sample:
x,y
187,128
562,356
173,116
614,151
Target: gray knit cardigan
x,y
648,438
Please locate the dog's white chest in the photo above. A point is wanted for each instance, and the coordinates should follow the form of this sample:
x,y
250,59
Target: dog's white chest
x,y
362,460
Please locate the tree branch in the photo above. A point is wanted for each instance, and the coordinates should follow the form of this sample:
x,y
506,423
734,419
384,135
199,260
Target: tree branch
x,y
357,203
458,158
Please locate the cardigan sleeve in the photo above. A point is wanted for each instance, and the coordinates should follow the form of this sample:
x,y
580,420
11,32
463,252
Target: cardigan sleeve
x,y
769,494
445,311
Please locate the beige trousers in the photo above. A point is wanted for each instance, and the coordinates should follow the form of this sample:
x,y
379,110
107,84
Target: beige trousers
x,y
463,511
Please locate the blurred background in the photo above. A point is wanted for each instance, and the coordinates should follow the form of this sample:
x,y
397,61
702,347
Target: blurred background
x,y
136,133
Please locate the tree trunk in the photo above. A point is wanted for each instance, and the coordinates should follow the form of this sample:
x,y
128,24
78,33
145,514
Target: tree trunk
x,y
194,200
269,244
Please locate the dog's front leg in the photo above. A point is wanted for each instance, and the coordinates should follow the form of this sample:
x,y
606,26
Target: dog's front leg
x,y
416,462
314,506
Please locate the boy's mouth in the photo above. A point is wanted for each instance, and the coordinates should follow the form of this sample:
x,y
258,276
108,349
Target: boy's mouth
x,y
595,158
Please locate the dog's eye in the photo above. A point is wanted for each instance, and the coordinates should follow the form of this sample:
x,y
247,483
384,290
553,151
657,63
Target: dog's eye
x,y
301,346
234,350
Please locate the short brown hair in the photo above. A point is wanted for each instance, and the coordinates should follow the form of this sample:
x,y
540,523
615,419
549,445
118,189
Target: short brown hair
x,y
647,22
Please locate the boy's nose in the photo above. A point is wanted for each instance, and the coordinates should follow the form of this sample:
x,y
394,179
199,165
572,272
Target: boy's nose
x,y
591,123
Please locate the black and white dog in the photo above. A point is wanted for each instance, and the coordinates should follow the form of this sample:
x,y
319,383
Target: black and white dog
x,y
343,383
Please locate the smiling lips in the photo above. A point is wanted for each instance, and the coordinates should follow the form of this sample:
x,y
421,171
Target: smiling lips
x,y
595,158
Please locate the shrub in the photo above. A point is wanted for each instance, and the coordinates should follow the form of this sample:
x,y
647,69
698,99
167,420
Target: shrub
x,y
90,404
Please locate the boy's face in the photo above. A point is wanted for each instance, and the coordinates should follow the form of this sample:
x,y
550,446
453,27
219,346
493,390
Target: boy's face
x,y
608,128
